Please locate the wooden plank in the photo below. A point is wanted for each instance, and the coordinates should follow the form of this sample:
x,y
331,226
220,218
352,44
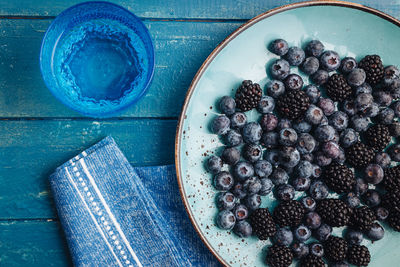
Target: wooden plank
x,y
31,150
181,47
33,244
210,9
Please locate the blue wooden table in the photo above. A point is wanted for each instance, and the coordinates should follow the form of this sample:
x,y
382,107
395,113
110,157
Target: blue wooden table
x,y
37,133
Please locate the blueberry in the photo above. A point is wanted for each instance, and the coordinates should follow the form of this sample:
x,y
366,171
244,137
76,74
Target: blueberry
x,y
300,250
383,98
336,137
227,105
313,220
323,232
310,65
302,233
301,183
320,77
295,56
223,181
318,190
314,48
230,155
233,138
243,170
279,176
226,201
284,123
349,107
317,171
372,111
269,122
313,93
386,116
238,120
272,156
242,229
283,237
239,191
226,220
214,164
220,125
289,156
331,149
394,129
305,143
339,120
391,73
395,91
365,88
279,47
394,152
301,126
275,88
348,64
352,200
293,82
381,213
314,115
287,137
316,249
304,169
359,123
341,158
383,159
266,105
373,174
307,156
309,203
262,168
371,198
252,152
253,202
270,139
327,106
329,60
324,133
354,237
321,159
285,192
266,186
360,187
363,101
396,108
376,232
280,69
252,132
356,77
241,212
252,185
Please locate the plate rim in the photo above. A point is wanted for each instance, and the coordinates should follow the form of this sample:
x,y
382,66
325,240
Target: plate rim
x,y
212,56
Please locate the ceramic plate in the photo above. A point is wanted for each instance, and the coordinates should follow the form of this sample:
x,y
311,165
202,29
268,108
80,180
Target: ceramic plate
x,y
349,29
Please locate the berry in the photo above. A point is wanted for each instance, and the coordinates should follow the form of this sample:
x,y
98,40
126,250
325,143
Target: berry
x,y
396,108
214,164
270,140
252,152
314,48
360,187
327,106
337,88
252,185
279,176
320,77
312,261
356,77
275,88
383,98
394,129
226,201
227,105
317,171
358,255
287,137
348,137
323,232
285,192
363,101
352,200
339,178
324,133
306,143
243,170
364,88
262,223
378,136
262,168
266,186
279,47
341,158
268,122
238,120
373,67
230,155
280,69
220,125
331,149
304,169
314,115
359,123
248,95
272,156
239,191
241,212
279,256
302,233
359,155
301,183
349,107
223,181
329,60
289,213
394,152
284,123
390,74
295,56
266,105
283,237
310,65
334,212
381,213
316,249
293,82
339,120
362,218
233,138
348,64
289,156
374,174
321,159
252,133
226,220
376,232
301,126
318,190
354,237
253,201
293,104
372,111
243,229
313,93
313,220
308,157
300,250
308,203
335,248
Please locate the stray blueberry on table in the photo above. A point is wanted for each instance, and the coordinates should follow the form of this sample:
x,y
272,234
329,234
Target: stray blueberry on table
x,y
295,56
280,69
279,47
227,105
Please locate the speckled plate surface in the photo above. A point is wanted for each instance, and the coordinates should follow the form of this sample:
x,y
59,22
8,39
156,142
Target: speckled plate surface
x,y
350,29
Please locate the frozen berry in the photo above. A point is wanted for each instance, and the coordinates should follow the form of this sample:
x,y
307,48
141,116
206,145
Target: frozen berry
x,y
394,152
241,212
252,152
318,190
283,237
230,155
305,143
220,125
323,232
314,48
314,115
316,249
275,88
252,185
371,198
227,105
313,93
302,233
280,69
295,56
214,164
382,159
289,156
285,192
310,65
374,174
330,60
226,201
356,77
293,82
279,47
243,170
266,186
252,132
300,250
287,137
226,220
324,133
279,176
223,181
238,120
320,77
313,220
266,105
348,137
348,64
352,200
327,106
233,138
242,229
301,183
339,120
253,202
269,122
309,203
270,139
376,232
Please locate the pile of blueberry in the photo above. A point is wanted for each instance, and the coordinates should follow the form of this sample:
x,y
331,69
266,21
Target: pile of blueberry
x,y
335,135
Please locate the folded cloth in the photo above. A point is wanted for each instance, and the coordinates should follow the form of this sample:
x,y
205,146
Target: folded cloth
x,y
116,215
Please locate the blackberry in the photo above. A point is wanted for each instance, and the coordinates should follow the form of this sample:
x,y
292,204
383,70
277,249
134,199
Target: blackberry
x,y
289,213
312,261
335,248
362,218
334,212
248,95
394,221
391,201
339,178
359,155
279,256
293,104
358,255
391,180
337,87
378,136
373,67
262,223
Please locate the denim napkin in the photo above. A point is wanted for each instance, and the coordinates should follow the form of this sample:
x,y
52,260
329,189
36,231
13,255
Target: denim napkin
x,y
116,215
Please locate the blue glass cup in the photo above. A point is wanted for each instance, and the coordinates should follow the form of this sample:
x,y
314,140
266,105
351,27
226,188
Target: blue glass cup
x,y
97,58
